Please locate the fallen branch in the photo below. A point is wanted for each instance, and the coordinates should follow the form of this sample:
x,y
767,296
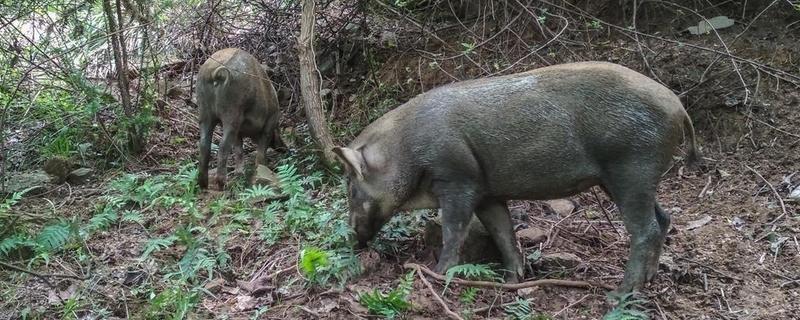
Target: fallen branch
x,y
42,276
775,192
510,286
447,310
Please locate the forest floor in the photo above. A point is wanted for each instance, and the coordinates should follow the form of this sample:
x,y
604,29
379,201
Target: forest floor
x,y
732,251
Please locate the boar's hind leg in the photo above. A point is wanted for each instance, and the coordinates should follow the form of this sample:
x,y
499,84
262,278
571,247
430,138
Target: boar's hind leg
x,y
238,153
228,139
495,217
634,194
206,131
457,205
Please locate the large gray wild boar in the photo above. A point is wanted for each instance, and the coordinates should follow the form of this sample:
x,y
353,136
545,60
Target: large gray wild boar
x,y
235,91
547,133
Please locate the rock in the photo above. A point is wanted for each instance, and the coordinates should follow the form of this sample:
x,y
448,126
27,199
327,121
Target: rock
x,y
80,175
561,207
559,260
532,236
266,177
30,182
478,247
795,194
58,168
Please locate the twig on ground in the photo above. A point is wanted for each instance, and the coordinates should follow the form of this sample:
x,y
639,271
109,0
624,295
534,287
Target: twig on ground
x,y
711,268
570,305
511,286
42,276
605,212
775,192
450,313
703,192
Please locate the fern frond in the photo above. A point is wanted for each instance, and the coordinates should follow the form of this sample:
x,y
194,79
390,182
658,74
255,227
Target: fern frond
x,y
53,237
519,310
102,220
255,192
472,272
157,244
132,216
12,243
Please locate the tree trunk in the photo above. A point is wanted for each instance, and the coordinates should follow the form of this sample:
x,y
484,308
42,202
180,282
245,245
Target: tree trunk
x,y
309,85
135,143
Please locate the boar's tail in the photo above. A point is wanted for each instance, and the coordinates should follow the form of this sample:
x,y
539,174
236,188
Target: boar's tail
x,y
693,158
217,75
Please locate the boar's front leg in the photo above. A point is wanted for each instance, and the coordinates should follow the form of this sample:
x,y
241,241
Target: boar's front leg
x,y
495,217
457,204
228,139
206,131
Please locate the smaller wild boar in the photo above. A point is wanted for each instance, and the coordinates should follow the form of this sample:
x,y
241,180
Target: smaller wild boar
x,y
235,91
547,133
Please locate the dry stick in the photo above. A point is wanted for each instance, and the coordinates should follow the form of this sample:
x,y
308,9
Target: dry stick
x,y
42,276
777,195
605,212
510,286
571,305
436,296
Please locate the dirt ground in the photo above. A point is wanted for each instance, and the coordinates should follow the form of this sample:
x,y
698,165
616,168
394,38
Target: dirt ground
x,y
732,252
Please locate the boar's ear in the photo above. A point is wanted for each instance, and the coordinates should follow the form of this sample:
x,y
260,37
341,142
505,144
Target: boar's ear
x,y
352,160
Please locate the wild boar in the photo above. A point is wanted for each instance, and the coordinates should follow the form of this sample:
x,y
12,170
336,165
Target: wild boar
x,y
547,133
233,90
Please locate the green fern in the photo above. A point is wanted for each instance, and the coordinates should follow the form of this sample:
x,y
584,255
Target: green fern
x,y
627,308
468,296
53,237
255,192
102,220
312,262
522,310
12,243
392,304
471,272
9,202
132,216
157,244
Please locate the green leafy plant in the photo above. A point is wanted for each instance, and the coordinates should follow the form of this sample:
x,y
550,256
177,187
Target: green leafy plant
x,y
468,296
468,47
312,260
627,308
522,310
392,304
471,272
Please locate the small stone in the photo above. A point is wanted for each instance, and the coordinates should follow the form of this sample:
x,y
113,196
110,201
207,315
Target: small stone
x,y
795,194
266,177
80,175
561,207
532,236
558,260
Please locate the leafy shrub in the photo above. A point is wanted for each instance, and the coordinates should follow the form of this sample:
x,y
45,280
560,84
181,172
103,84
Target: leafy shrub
x,y
392,304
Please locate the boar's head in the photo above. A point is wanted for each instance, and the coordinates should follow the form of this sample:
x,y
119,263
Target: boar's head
x,y
369,192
